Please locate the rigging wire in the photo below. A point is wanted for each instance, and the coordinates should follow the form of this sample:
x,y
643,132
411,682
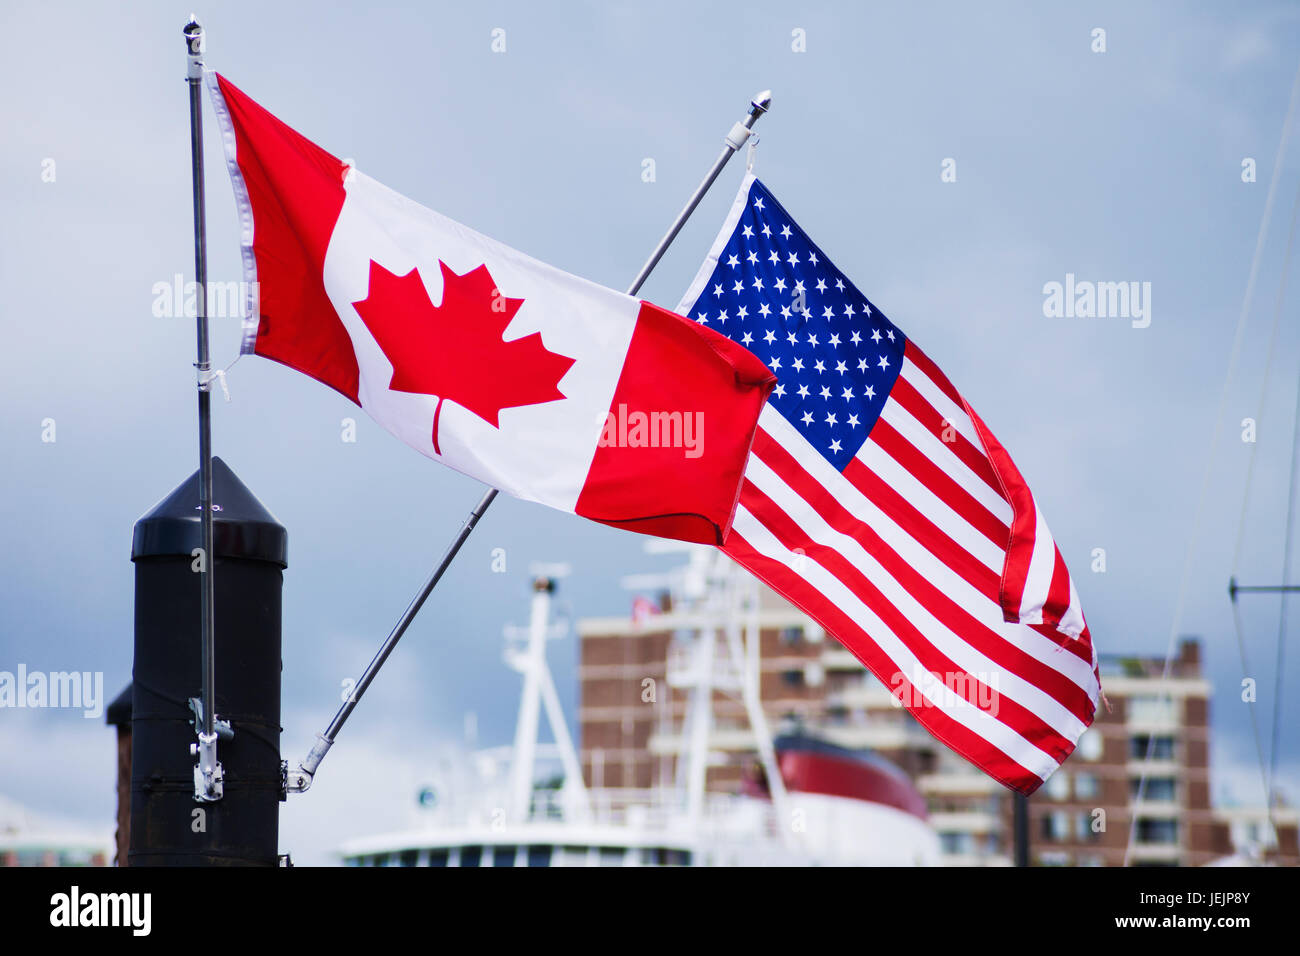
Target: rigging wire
x,y
1199,514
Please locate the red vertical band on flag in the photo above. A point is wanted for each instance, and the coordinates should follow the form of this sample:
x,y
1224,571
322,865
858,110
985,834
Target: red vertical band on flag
x,y
296,192
687,400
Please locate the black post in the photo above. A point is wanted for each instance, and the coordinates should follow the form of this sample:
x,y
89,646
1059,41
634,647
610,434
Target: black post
x,y
168,825
1022,829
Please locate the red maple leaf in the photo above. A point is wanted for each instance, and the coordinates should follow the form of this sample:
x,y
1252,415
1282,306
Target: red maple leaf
x,y
456,350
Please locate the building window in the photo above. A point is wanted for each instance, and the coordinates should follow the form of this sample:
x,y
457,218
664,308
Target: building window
x,y
1152,709
504,855
792,636
1056,825
438,857
1058,786
1157,831
1161,749
1157,789
1090,745
539,855
1083,831
792,678
471,855
1085,786
956,844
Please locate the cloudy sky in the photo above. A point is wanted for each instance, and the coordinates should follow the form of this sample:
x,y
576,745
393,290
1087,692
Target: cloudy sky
x,y
1122,165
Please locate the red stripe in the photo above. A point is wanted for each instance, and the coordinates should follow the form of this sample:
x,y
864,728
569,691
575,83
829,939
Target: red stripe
x,y
889,440
974,458
1001,651
922,361
808,599
1010,712
1058,594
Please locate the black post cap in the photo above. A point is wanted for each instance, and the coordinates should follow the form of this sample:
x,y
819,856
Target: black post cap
x,y
241,525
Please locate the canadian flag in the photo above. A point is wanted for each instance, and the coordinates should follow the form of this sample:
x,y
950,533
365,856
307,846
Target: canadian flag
x,y
540,383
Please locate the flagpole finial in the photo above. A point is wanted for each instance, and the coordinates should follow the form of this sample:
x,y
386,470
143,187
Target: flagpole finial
x,y
195,44
762,102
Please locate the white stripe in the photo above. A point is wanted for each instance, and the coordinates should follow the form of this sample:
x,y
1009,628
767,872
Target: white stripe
x,y
965,655
980,722
946,460
715,253
979,605
954,414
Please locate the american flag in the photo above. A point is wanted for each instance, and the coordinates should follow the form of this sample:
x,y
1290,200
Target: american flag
x,y
878,502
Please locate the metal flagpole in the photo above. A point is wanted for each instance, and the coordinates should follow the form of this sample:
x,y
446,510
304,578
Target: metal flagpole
x,y
297,781
207,772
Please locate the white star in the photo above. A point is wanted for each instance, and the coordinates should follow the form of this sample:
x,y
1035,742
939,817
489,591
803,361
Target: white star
x,y
780,284
835,339
848,394
785,312
848,310
890,333
742,312
841,367
792,338
733,261
763,309
758,203
826,392
875,336
871,392
821,285
862,365
746,339
766,231
739,287
717,289
779,391
819,366
853,421
803,391
839,284
798,285
855,338
793,258
774,257
812,340
770,337
807,418
884,363
812,257
749,233
785,231
722,316
798,365
828,313
831,419
774,363
866,309
758,283
752,257
703,320
835,446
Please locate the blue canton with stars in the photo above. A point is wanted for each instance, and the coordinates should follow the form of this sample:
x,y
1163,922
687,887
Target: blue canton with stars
x,y
835,356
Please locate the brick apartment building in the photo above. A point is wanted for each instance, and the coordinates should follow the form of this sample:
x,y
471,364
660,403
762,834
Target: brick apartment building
x,y
631,729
